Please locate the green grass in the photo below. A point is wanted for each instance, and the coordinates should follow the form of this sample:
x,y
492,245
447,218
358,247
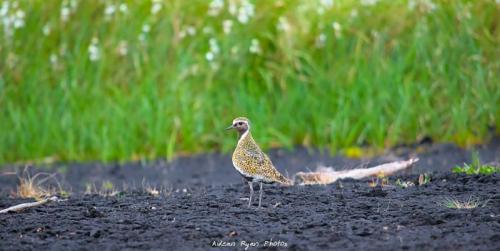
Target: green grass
x,y
391,74
470,203
476,167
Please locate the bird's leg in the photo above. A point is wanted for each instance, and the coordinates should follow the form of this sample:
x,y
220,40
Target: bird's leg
x,y
260,195
250,184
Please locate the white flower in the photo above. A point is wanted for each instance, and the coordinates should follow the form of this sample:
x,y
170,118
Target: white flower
x,y
65,11
110,10
142,37
336,26
235,50
233,8
17,20
182,34
227,25
46,29
215,7
427,5
156,7
18,23
209,56
326,3
94,51
320,40
337,29
6,21
245,12
191,30
73,4
7,26
123,8
146,28
368,2
214,47
53,59
283,24
207,30
255,46
411,4
123,48
354,13
5,9
20,14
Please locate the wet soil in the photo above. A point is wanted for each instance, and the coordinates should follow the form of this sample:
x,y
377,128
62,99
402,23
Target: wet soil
x,y
202,205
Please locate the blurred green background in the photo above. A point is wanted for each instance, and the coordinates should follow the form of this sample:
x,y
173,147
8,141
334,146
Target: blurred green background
x,y
126,80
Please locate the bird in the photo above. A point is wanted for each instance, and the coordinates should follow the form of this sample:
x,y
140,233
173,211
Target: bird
x,y
253,164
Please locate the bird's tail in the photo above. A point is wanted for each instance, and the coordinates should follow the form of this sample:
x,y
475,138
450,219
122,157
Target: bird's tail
x,y
284,180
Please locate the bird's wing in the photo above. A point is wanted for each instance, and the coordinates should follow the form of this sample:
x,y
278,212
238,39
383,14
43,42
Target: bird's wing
x,y
258,157
265,167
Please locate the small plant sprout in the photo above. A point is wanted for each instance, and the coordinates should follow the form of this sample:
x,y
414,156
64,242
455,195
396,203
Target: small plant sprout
x,y
476,167
381,179
404,184
34,186
152,191
373,183
108,189
90,188
424,179
457,204
107,185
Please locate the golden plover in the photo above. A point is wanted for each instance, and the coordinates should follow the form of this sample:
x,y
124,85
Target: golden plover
x,y
251,162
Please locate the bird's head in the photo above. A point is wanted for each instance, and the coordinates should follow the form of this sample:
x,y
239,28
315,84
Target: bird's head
x,y
240,124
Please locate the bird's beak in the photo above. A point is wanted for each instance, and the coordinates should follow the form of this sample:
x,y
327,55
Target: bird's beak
x,y
230,127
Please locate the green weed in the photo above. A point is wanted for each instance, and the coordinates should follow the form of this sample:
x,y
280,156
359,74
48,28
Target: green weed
x,y
129,80
423,179
476,167
471,203
404,184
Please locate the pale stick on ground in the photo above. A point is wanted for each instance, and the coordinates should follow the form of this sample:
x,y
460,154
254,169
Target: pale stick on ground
x,y
328,175
23,206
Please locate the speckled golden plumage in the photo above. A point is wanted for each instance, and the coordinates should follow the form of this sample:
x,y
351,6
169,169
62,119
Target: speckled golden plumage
x,y
251,162
254,164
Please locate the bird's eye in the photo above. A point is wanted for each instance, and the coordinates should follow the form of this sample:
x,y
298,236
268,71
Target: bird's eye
x,y
240,123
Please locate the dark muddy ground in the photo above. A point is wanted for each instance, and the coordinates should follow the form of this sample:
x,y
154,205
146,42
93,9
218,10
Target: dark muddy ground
x,y
202,205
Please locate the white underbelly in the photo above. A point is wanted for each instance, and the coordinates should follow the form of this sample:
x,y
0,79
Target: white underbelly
x,y
241,170
255,177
